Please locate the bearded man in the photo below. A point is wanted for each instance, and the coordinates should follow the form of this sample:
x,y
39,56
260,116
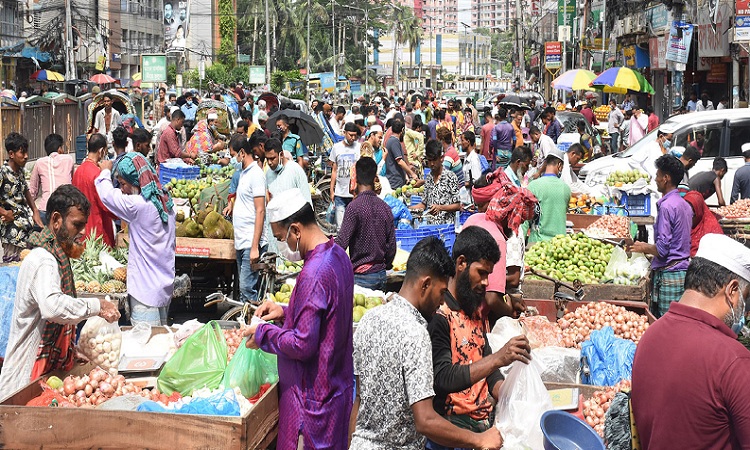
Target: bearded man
x,y
46,310
466,370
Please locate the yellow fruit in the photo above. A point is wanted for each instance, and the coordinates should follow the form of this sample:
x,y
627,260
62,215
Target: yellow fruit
x,y
24,253
120,274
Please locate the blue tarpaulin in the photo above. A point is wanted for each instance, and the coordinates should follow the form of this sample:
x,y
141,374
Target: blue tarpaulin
x,y
8,277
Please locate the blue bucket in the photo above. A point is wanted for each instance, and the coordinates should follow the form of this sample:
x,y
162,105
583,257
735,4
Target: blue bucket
x,y
564,431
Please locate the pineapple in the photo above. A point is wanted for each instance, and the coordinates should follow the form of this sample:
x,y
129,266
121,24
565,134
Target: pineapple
x,y
113,286
93,286
120,274
24,253
80,286
119,286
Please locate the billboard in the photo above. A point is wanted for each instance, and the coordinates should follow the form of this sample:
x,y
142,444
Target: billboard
x,y
176,23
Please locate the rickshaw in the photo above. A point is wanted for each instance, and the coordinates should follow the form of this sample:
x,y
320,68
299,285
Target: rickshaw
x,y
226,122
121,102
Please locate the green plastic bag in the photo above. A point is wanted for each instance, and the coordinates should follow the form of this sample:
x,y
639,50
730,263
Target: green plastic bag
x,y
244,371
199,363
270,368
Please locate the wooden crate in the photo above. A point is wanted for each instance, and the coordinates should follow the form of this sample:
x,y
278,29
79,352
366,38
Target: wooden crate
x,y
218,249
549,309
545,289
36,427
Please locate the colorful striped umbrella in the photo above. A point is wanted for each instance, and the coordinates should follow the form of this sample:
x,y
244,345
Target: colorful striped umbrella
x,y
47,75
621,80
574,80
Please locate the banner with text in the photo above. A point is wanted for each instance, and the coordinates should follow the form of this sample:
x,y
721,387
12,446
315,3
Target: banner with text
x,y
680,35
552,55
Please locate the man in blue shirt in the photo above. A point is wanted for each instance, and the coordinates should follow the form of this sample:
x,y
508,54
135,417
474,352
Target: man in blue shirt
x,y
290,142
189,107
503,139
741,183
552,127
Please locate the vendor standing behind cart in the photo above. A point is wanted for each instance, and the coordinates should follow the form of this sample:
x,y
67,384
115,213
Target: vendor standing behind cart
x,y
45,311
147,208
314,344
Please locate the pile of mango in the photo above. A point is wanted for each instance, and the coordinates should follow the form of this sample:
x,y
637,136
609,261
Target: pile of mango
x,y
206,224
363,304
580,204
602,113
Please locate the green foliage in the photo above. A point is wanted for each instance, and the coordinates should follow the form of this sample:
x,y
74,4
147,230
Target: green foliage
x,y
280,77
217,73
227,29
191,78
239,73
171,74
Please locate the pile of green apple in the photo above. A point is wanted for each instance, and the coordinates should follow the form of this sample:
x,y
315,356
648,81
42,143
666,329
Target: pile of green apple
x,y
284,294
621,177
363,304
570,257
406,191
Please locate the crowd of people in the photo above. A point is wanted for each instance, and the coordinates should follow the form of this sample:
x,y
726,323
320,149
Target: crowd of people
x,y
418,372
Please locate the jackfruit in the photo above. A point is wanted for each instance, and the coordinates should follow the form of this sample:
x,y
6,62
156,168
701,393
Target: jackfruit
x,y
181,230
180,216
201,216
192,229
212,219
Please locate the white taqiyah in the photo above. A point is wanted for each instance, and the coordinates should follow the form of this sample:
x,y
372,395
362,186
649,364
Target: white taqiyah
x,y
727,253
284,205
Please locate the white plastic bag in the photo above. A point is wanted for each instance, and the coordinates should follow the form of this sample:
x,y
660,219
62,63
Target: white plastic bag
x,y
504,330
100,342
523,400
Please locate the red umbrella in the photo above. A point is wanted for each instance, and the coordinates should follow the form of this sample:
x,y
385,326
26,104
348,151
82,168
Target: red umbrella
x,y
102,78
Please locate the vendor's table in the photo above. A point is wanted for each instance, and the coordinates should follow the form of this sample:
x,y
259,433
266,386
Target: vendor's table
x,y
216,249
546,289
581,221
35,427
737,229
548,308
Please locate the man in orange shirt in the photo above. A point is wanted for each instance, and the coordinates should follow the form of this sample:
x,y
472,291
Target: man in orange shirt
x,y
101,221
517,119
466,371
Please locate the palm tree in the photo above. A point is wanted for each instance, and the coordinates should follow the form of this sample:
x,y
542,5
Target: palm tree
x,y
412,35
403,16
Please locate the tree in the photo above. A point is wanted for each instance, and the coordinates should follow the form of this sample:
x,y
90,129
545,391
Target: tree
x,y
413,33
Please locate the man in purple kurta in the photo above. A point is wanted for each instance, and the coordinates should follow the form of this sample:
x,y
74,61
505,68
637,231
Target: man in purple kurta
x,y
314,344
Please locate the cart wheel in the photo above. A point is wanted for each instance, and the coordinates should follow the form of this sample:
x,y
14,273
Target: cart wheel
x,y
232,314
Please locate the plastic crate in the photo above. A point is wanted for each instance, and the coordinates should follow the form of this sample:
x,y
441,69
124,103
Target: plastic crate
x,y
408,238
166,173
637,205
464,216
81,148
415,200
426,172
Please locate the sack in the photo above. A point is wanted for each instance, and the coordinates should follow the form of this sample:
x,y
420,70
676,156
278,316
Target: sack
x,y
401,214
483,163
199,363
270,367
624,270
100,342
221,403
523,400
245,371
610,358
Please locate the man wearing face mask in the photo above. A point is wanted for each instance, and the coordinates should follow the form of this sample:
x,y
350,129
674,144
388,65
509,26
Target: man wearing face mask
x,y
690,374
314,342
342,159
467,372
646,159
46,309
282,174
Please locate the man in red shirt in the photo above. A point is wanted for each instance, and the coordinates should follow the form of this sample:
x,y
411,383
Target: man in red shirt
x,y
170,145
588,113
690,373
487,134
100,221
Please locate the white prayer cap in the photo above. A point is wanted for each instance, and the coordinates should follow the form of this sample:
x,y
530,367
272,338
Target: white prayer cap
x,y
172,109
212,116
261,103
727,253
557,153
667,128
356,117
284,205
376,129
745,147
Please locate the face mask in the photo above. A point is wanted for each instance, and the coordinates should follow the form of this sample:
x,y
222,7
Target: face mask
x,y
279,168
667,144
287,252
738,322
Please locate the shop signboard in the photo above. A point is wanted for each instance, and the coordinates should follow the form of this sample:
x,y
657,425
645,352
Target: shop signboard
x,y
657,51
714,43
153,68
257,74
566,12
658,17
552,55
678,47
717,74
742,28
742,8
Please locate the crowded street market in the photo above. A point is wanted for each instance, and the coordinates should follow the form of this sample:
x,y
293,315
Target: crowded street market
x,y
213,253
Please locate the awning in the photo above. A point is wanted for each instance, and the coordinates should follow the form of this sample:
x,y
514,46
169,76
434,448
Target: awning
x,y
21,50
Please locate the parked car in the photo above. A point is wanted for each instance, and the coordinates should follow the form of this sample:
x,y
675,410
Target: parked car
x,y
723,133
569,121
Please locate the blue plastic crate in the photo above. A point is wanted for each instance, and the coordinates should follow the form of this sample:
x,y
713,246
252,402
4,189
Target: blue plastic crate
x,y
81,148
637,205
408,238
463,217
415,200
166,173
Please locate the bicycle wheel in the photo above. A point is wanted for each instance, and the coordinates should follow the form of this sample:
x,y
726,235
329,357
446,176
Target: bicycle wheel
x,y
320,205
232,314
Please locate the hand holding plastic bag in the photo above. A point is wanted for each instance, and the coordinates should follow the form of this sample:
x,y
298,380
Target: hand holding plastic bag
x,y
244,371
100,342
523,400
199,363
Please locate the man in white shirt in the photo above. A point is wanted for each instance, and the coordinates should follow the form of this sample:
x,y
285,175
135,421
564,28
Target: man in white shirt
x,y
284,174
570,159
614,121
261,107
472,165
543,143
328,113
647,158
705,104
342,159
250,239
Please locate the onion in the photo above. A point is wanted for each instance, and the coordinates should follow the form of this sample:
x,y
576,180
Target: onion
x,y
88,390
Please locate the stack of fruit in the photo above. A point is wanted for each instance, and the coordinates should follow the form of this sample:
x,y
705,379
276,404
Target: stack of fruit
x,y
580,204
737,210
286,267
191,189
363,304
570,257
405,192
206,224
284,294
602,113
620,178
100,269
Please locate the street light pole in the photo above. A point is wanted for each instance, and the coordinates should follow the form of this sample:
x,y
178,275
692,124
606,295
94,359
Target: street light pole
x,y
307,59
333,38
268,50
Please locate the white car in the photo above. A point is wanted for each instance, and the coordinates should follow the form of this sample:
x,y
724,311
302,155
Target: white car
x,y
723,133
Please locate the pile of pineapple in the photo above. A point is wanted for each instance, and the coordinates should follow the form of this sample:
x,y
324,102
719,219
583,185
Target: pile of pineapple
x,y
92,275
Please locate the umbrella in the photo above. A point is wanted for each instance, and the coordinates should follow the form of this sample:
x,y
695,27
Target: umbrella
x,y
307,128
515,100
47,75
621,80
102,78
574,80
137,76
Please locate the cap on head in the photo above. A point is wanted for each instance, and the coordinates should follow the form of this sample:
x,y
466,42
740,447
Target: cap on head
x,y
172,109
726,252
212,116
376,129
262,115
285,204
261,103
667,128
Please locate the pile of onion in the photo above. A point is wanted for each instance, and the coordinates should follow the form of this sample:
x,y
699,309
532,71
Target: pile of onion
x,y
578,325
99,386
234,339
595,408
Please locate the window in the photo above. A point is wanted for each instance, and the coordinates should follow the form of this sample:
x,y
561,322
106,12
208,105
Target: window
x,y
739,133
706,137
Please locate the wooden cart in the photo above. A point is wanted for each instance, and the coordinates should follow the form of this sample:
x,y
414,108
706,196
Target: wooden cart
x,y
36,427
737,229
546,289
